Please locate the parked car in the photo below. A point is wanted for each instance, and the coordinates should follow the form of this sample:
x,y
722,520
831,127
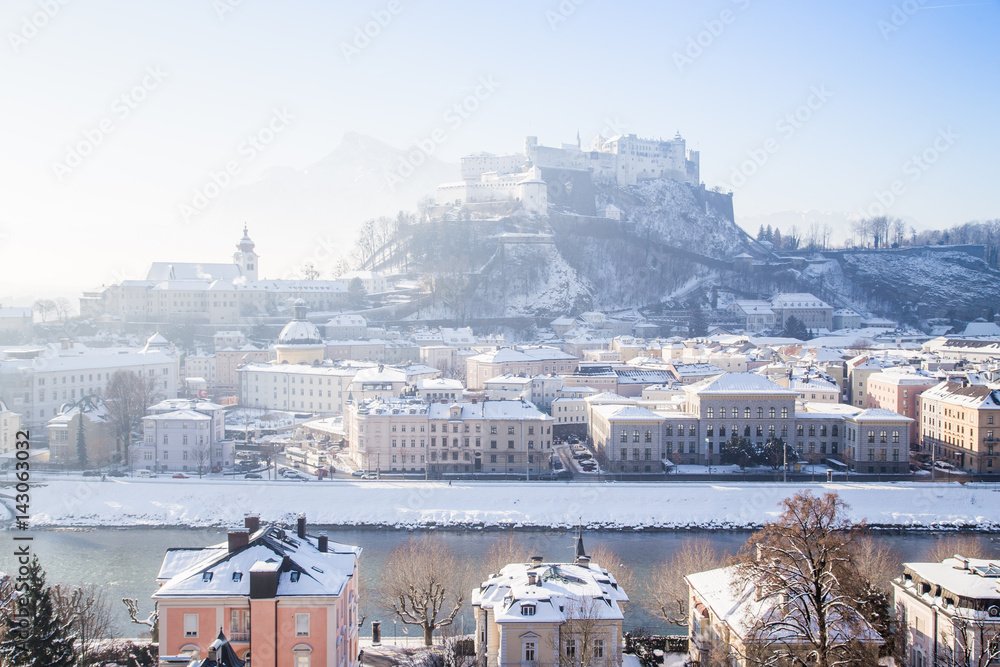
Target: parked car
x,y
144,473
116,473
216,469
369,475
252,475
358,473
91,473
564,474
180,475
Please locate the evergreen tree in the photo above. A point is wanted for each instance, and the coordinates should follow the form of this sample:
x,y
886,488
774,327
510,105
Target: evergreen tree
x,y
768,234
81,444
760,233
777,239
697,327
794,328
45,639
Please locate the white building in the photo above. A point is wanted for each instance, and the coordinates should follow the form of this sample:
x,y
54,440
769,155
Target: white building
x,y
545,613
949,612
10,424
37,381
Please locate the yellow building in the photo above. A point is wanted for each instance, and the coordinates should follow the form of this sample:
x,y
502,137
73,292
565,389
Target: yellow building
x,y
961,423
548,614
299,342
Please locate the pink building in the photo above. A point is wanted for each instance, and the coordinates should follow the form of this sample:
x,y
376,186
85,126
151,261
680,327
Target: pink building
x,y
300,591
900,393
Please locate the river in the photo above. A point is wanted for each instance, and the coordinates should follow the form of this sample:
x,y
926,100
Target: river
x,y
125,561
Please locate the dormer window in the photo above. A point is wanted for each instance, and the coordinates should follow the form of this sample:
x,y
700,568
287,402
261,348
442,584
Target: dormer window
x,y
294,576
237,576
206,577
527,610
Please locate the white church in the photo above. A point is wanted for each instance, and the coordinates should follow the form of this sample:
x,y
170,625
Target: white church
x,y
208,293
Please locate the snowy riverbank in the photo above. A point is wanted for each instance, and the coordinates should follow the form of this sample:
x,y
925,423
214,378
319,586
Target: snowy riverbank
x,y
64,502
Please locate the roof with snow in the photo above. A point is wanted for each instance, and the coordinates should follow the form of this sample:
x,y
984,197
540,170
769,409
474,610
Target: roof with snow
x,y
879,414
980,580
215,571
737,605
975,396
560,593
506,355
798,300
738,383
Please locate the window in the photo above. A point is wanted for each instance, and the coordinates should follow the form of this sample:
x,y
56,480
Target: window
x,y
190,625
784,413
529,652
710,413
895,437
302,625
571,648
871,436
239,628
799,430
598,648
760,413
527,610
635,436
722,413
510,430
746,413
302,655
624,455
649,437
770,413
883,436
624,436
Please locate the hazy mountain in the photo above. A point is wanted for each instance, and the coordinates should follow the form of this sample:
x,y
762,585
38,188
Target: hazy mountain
x,y
361,178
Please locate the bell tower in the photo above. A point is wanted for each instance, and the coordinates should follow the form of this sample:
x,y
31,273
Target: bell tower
x,y
245,257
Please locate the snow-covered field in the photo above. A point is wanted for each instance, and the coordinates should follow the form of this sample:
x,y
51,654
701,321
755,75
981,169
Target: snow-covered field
x,y
724,505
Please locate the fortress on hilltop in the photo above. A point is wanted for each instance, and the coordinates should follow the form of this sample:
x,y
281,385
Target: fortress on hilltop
x,y
625,159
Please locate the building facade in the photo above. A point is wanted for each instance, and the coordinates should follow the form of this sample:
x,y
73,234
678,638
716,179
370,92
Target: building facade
x,y
959,424
289,597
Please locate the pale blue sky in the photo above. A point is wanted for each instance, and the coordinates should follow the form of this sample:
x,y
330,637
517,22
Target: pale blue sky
x,y
890,94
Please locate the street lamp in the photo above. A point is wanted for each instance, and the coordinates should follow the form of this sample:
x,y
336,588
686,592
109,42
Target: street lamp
x,y
708,450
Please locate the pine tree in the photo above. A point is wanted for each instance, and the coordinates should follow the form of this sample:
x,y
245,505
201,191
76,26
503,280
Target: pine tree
x,y
81,444
45,639
760,233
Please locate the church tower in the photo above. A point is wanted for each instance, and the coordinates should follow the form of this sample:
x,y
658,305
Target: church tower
x,y
245,257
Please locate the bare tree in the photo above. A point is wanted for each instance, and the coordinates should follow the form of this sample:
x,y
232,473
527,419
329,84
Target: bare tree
x,y
44,307
666,592
583,637
88,612
875,561
965,545
802,563
504,551
132,604
605,556
969,641
128,397
202,453
424,584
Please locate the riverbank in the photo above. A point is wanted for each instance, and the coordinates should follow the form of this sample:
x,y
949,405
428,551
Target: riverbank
x,y
87,502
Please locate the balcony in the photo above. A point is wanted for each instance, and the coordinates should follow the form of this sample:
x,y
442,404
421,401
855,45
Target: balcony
x,y
236,636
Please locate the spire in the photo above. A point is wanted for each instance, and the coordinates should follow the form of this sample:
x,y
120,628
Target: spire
x,y
578,138
580,550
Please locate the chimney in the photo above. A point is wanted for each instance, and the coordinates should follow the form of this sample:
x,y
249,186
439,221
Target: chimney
x,y
963,562
532,578
251,522
301,527
238,538
583,561
536,561
323,542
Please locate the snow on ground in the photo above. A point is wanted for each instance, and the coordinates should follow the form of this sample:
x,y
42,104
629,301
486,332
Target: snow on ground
x,y
78,501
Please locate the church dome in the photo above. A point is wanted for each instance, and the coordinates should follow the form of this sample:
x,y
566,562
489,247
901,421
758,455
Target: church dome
x,y
300,332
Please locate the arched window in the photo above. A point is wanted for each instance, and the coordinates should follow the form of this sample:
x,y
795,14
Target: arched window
x,y
760,413
302,655
883,436
722,431
784,413
624,436
635,436
895,437
770,412
835,430
649,436
746,413
746,429
722,413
